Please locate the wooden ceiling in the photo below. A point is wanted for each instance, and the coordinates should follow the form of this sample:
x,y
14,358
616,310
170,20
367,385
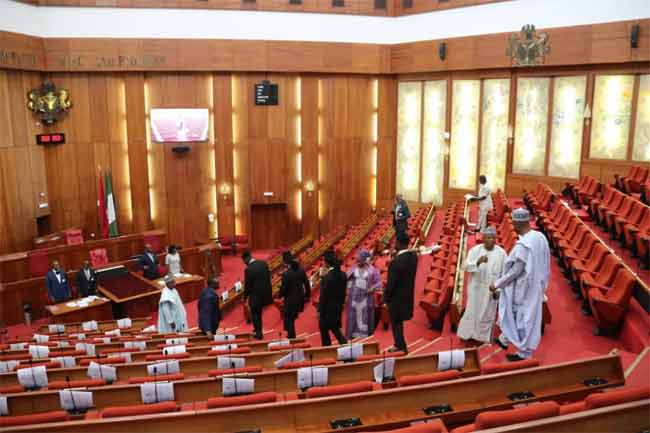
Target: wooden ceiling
x,y
391,8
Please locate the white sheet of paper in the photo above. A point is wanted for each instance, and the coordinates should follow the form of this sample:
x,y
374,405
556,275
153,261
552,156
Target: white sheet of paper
x,y
237,385
457,358
17,346
451,359
124,323
33,377
468,196
65,361
39,338
312,376
99,371
230,362
349,352
172,350
238,287
444,360
154,392
90,349
62,344
89,326
140,345
278,344
79,336
104,340
151,328
224,347
113,333
384,370
56,328
225,295
39,352
293,356
4,407
176,341
167,367
224,337
8,366
76,400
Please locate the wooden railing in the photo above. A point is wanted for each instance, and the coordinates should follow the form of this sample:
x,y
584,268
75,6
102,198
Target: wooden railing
x,y
456,307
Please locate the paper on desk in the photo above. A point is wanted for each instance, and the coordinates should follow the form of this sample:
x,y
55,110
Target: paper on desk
x,y
349,352
140,345
17,346
238,287
76,400
4,408
99,371
230,362
167,367
155,392
280,343
236,385
224,296
56,328
224,337
62,343
172,350
293,356
384,370
468,196
65,361
225,347
451,359
124,323
312,376
33,377
39,352
71,304
176,341
79,336
8,366
90,349
103,340
39,338
89,326
151,328
114,333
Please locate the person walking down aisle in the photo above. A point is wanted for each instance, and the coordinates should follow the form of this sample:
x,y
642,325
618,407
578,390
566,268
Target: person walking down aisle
x,y
332,297
257,290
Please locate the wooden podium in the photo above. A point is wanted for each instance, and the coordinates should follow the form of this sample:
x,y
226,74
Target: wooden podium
x,y
98,309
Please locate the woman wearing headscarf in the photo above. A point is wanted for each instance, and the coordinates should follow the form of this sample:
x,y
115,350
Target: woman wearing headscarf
x,y
363,280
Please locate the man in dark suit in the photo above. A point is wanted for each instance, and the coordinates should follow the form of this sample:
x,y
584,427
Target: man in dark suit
x,y
209,313
257,290
333,286
148,262
58,288
399,290
401,214
86,282
294,290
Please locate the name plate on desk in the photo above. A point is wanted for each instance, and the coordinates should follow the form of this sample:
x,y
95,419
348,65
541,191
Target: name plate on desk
x,y
167,367
8,366
230,362
224,337
155,392
34,377
56,328
76,401
312,376
99,371
237,386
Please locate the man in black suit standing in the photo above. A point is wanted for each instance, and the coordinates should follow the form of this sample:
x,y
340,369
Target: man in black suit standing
x,y
294,290
257,290
58,288
148,262
399,290
86,282
208,305
333,285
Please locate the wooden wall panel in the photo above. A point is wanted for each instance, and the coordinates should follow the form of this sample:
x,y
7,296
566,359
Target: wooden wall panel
x,y
309,115
222,86
386,142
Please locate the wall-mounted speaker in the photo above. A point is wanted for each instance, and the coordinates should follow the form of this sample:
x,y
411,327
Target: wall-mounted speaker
x,y
181,150
442,50
634,36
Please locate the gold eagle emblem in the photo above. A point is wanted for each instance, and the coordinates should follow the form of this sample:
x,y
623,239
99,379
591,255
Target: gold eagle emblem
x,y
48,103
528,48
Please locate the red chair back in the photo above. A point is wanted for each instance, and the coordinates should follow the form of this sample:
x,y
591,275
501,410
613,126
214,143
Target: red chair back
x,y
38,263
607,271
98,257
621,290
73,237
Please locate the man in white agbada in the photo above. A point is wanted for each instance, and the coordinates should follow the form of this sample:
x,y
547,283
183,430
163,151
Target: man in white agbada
x,y
521,289
485,264
171,311
484,199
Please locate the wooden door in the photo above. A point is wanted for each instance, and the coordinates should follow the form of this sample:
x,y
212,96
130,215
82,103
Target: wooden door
x,y
268,225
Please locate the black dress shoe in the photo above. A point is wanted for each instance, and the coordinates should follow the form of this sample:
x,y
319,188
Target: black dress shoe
x,y
513,357
500,344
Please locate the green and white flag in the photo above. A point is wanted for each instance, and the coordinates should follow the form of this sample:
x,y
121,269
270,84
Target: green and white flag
x,y
111,215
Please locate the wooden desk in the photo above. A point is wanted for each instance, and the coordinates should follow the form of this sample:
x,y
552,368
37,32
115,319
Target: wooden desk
x,y
137,323
98,309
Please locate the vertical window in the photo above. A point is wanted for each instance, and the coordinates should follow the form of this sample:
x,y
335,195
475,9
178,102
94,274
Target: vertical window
x,y
531,125
641,149
433,157
566,133
409,122
464,133
494,131
612,110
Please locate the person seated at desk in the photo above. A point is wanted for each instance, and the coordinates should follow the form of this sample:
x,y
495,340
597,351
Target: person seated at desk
x,y
58,288
173,261
86,282
208,306
148,262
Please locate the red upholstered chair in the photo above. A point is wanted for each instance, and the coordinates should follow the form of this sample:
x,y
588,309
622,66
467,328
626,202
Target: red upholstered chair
x,y
222,371
607,398
226,243
82,383
241,243
347,388
138,409
155,241
630,231
603,277
609,303
36,418
73,237
634,217
494,367
243,400
499,418
421,379
160,377
98,257
11,389
38,263
591,264
433,426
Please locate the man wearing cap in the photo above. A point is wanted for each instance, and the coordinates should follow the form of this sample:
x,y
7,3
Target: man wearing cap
x,y
171,311
484,199
521,289
363,280
484,263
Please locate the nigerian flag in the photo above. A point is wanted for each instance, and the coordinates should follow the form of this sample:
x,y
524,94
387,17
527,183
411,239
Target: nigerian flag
x,y
111,216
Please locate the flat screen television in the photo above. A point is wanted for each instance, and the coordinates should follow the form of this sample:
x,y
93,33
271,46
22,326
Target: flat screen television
x,y
177,125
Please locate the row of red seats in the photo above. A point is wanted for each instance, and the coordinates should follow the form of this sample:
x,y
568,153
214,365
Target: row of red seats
x,y
229,244
500,207
635,182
